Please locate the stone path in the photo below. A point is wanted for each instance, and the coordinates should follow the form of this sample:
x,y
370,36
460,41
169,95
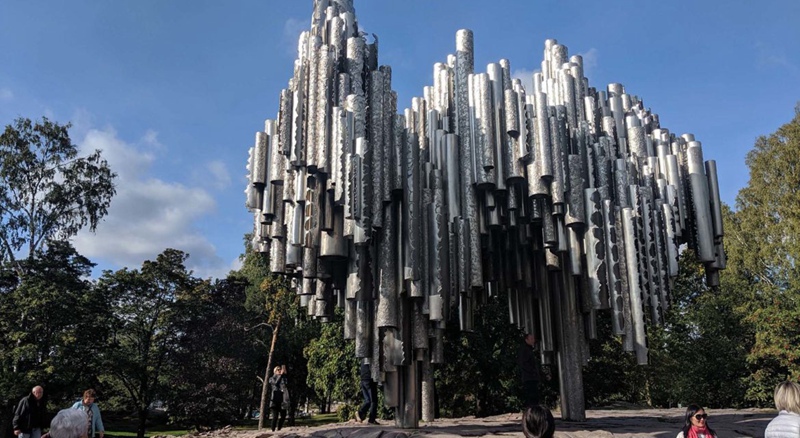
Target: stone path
x,y
654,423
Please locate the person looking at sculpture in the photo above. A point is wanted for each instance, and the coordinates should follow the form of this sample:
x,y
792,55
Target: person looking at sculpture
x,y
787,402
30,416
94,422
279,397
695,424
529,371
369,391
538,422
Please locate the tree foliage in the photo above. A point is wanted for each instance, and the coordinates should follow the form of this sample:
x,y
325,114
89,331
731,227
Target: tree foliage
x,y
47,191
332,365
764,249
144,340
217,355
489,356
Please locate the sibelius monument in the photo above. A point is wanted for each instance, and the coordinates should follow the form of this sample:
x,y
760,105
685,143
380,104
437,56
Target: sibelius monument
x,y
565,198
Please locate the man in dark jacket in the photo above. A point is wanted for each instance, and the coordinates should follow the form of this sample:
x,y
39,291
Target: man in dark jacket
x,y
370,392
30,416
529,371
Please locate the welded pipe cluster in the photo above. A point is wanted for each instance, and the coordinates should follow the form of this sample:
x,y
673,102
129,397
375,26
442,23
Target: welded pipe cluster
x,y
563,199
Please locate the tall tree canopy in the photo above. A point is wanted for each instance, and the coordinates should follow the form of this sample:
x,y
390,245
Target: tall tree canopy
x,y
763,239
144,341
46,190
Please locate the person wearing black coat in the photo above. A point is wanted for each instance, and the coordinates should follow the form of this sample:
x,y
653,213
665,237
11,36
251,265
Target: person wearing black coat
x,y
279,397
529,371
30,417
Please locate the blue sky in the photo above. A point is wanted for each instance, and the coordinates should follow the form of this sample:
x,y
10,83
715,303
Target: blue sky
x,y
173,91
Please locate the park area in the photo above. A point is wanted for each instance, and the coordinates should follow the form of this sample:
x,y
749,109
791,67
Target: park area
x,y
600,423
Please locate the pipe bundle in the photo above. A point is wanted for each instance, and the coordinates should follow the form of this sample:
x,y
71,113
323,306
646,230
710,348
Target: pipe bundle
x,y
563,199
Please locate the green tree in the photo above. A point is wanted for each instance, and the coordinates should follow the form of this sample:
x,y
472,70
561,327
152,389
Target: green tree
x,y
489,356
332,365
144,341
285,322
217,355
65,324
47,191
764,249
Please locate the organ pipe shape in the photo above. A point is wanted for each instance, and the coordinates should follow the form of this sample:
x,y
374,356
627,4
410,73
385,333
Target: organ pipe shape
x,y
637,315
375,173
594,243
714,199
702,211
400,218
543,143
613,262
387,270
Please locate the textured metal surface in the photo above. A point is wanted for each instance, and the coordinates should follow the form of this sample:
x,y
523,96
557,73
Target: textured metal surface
x,y
563,199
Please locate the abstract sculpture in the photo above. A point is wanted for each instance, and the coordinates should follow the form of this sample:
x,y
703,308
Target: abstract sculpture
x,y
564,198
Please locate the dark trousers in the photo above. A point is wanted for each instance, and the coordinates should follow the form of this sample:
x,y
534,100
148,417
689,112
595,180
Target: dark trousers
x,y
275,412
530,393
369,390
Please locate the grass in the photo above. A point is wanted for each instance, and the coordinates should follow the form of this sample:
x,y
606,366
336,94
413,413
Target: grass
x,y
128,429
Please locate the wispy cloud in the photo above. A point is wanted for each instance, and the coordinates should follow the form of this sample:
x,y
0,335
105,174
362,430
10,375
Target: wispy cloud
x,y
768,57
148,214
220,177
589,61
526,76
292,29
6,95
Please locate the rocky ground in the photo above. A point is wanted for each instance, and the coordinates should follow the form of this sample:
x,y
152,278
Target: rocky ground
x,y
658,423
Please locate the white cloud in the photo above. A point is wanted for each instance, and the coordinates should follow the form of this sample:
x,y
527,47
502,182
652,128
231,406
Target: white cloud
x,y
292,29
6,94
150,138
769,57
589,61
220,177
526,76
147,215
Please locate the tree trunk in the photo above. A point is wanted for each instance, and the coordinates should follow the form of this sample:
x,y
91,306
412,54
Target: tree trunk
x,y
142,423
262,413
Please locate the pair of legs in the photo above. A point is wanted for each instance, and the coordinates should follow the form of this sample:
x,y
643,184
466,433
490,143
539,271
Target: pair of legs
x,y
369,390
530,393
35,433
277,411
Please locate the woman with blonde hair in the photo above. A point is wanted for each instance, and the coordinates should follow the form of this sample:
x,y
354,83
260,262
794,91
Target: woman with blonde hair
x,y
787,402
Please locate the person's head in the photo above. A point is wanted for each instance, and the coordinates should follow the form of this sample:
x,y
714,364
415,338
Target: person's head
x,y
530,339
89,396
695,416
538,422
276,370
69,423
787,397
37,392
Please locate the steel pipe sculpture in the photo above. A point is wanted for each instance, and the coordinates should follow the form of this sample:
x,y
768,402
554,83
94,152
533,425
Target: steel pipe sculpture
x,y
566,199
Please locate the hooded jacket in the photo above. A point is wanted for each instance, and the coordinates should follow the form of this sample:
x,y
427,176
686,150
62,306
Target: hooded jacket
x,y
786,424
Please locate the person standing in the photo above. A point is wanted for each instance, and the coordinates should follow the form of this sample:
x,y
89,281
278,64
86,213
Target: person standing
x,y
695,424
94,420
787,402
279,397
30,415
369,390
529,371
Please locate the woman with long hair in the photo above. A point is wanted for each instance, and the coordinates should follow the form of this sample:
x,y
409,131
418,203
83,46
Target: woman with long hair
x,y
695,424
